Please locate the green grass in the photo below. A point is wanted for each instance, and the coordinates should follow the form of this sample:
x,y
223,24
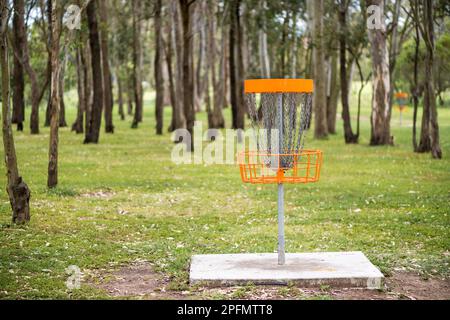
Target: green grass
x,y
123,200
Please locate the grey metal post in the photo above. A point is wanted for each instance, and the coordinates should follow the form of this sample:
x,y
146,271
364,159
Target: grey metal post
x,y
281,255
281,258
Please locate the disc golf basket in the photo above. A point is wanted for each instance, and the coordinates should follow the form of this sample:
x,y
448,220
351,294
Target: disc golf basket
x,y
280,111
402,102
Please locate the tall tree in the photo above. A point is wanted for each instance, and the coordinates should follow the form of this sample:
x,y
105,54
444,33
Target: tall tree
x,y
77,126
320,91
107,83
18,114
429,138
236,66
215,115
349,136
61,83
137,62
415,90
175,47
159,80
186,10
55,23
18,191
37,90
381,111
94,120
262,35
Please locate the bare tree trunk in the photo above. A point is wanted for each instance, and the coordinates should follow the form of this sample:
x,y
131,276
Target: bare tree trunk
x,y
18,192
349,136
89,85
159,81
263,52
137,63
429,107
55,23
381,111
108,101
201,59
215,115
36,92
294,47
61,83
394,49
93,126
49,35
175,47
170,31
18,114
332,93
77,126
236,67
284,45
186,10
120,97
415,89
130,95
320,94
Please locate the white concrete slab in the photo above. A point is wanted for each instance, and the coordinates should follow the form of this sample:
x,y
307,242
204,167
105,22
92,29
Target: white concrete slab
x,y
336,269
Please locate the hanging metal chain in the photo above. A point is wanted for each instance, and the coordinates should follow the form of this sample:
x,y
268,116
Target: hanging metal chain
x,y
296,113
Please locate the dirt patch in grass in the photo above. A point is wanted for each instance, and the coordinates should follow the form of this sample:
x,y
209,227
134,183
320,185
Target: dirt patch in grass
x,y
413,286
401,285
136,281
139,281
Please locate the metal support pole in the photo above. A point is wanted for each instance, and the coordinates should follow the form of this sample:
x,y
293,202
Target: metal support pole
x,y
281,257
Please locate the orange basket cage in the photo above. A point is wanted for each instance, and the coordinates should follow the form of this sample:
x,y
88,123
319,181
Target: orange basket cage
x,y
259,167
304,167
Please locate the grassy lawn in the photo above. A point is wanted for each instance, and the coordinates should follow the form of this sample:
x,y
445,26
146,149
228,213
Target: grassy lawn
x,y
124,200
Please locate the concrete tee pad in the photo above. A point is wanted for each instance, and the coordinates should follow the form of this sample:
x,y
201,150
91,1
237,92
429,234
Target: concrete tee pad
x,y
336,269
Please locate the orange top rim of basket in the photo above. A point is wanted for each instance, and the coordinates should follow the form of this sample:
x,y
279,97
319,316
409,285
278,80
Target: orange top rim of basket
x,y
243,154
400,95
279,86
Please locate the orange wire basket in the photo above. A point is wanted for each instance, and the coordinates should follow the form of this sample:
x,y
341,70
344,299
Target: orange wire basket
x,y
265,168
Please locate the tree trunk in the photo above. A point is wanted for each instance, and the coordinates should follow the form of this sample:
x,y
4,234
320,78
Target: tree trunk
x,y
77,126
415,89
159,81
188,88
95,117
108,101
284,45
320,93
381,111
120,97
88,85
294,47
36,92
55,23
61,83
215,115
18,192
263,52
332,93
137,63
349,136
176,78
172,82
432,127
201,57
236,67
18,114
130,96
